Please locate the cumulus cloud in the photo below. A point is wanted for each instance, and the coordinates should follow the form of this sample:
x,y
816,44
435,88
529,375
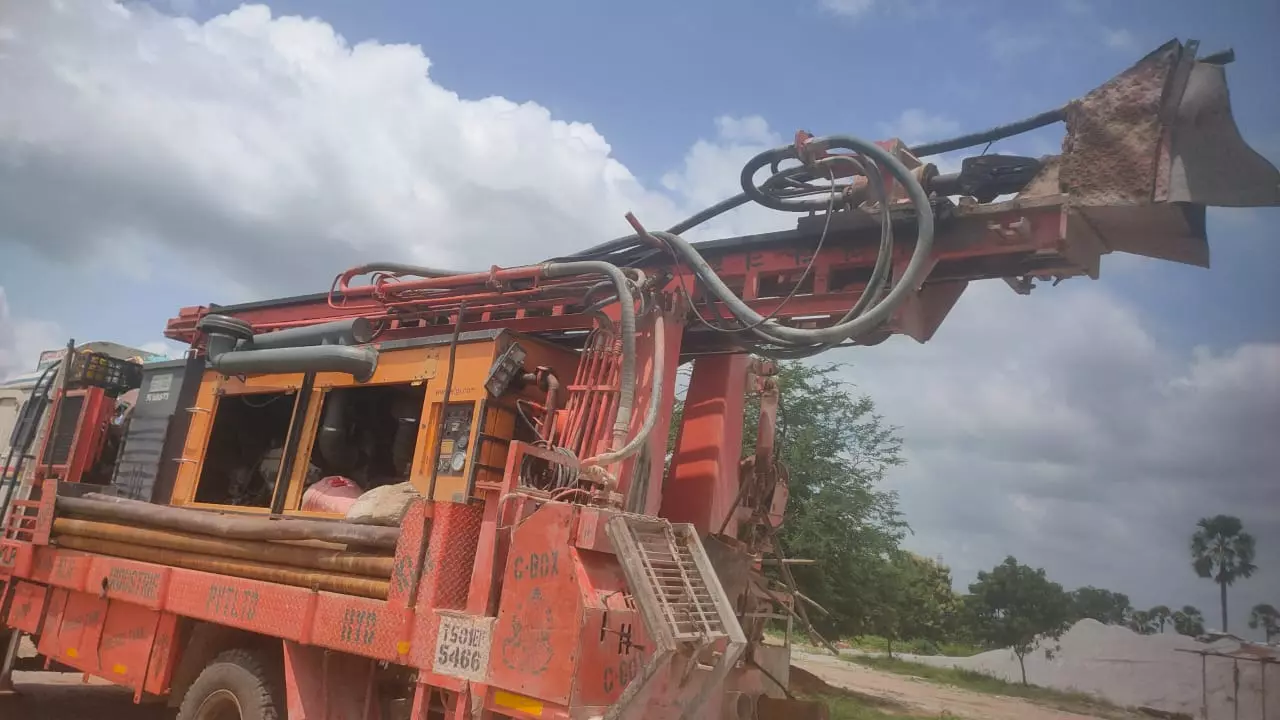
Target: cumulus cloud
x,y
22,340
267,153
258,144
852,9
1056,428
1119,39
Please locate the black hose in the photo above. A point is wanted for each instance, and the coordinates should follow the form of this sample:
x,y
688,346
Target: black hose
x,y
999,132
849,327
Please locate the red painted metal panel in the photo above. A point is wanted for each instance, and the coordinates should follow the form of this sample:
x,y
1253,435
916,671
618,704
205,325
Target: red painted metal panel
x,y
125,646
26,609
48,643
277,610
63,568
328,686
165,652
708,449
15,558
413,532
75,636
446,580
356,625
137,582
613,645
535,640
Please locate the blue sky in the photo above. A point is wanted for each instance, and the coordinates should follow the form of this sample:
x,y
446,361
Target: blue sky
x,y
152,161
652,77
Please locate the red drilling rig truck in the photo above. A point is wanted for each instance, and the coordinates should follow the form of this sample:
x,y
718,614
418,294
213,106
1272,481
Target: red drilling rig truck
x,y
433,494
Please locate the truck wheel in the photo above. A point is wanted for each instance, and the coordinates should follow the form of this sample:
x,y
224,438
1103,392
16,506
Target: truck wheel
x,y
236,685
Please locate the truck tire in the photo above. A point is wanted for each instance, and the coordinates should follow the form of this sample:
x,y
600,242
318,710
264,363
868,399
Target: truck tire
x,y
236,685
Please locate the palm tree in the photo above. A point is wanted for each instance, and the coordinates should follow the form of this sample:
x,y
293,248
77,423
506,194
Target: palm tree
x,y
1189,621
1160,615
1222,551
1266,617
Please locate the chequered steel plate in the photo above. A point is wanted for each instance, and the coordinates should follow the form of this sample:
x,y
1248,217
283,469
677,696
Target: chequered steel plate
x,y
268,608
357,625
413,532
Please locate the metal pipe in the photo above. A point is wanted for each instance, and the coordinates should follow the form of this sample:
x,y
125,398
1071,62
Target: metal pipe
x,y
655,399
415,579
330,582
228,335
237,526
449,282
627,331
444,403
352,331
290,555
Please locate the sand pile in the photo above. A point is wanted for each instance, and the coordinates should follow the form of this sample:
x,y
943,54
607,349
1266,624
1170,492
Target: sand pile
x,y
1135,670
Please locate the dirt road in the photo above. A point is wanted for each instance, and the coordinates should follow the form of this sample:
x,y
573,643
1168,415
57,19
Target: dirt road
x,y
64,696
923,697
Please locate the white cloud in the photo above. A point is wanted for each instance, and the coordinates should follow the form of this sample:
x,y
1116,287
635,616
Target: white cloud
x,y
1056,428
164,348
267,153
23,339
915,126
1007,43
1120,39
852,9
256,144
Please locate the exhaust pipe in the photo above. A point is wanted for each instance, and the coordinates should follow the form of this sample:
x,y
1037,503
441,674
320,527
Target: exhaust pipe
x,y
233,349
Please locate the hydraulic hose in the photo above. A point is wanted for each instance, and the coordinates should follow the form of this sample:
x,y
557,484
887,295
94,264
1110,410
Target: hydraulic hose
x,y
655,399
874,315
627,331
999,132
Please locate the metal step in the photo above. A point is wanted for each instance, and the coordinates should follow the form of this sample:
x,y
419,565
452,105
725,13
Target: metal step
x,y
683,605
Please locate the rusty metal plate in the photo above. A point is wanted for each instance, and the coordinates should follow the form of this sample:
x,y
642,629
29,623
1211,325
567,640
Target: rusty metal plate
x,y
26,609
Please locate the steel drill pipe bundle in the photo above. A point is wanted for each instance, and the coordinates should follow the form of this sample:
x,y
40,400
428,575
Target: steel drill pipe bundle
x,y
228,525
315,579
377,566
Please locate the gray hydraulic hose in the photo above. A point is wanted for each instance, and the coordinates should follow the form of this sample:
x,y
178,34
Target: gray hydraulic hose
x,y
655,399
627,329
399,268
915,272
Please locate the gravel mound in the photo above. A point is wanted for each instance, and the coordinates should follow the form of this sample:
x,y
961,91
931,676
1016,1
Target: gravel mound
x,y
1132,670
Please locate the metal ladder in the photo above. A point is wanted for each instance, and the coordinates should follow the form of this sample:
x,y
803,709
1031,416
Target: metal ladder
x,y
680,599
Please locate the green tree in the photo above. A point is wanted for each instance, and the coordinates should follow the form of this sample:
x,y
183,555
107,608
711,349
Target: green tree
x,y
1105,606
1140,621
837,450
1222,551
1188,621
1017,607
1160,616
1266,617
916,600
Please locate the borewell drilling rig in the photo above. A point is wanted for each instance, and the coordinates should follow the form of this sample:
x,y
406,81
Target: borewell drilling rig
x,y
442,494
